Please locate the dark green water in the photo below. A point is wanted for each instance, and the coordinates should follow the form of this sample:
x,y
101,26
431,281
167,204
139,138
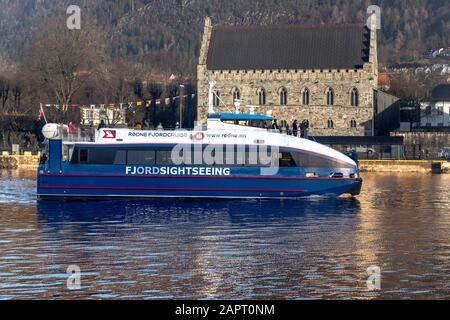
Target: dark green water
x,y
303,249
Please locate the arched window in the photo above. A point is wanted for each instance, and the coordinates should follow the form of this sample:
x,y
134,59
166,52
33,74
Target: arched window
x,y
305,97
283,96
216,101
353,123
330,96
330,124
236,94
262,96
354,97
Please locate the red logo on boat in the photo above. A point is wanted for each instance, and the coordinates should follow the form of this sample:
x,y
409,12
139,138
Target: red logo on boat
x,y
109,134
199,136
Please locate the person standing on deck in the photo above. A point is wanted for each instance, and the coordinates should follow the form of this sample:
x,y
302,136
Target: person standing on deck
x,y
102,125
275,125
91,132
295,128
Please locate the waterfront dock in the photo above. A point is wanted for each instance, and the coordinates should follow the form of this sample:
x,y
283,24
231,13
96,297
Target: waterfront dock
x,y
403,166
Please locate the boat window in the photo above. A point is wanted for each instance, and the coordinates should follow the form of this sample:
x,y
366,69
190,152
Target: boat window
x,y
238,156
250,157
315,161
141,157
100,156
163,158
230,156
83,156
287,160
121,157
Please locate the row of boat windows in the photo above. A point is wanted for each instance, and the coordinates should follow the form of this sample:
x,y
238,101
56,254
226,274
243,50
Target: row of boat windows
x,y
284,96
164,157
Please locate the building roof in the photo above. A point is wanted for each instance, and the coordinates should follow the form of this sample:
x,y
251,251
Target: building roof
x,y
302,47
441,93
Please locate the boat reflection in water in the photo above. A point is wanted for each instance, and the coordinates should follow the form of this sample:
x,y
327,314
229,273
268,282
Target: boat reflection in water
x,y
212,211
197,249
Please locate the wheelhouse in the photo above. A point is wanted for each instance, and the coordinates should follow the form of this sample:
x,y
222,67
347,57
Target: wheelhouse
x,y
247,120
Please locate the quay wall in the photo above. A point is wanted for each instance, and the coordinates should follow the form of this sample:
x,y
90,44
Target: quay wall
x,y
399,166
424,144
13,161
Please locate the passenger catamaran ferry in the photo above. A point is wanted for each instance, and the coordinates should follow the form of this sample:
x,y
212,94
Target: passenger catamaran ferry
x,y
221,160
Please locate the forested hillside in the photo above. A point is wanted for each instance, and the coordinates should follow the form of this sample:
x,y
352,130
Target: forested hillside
x,y
127,49
165,34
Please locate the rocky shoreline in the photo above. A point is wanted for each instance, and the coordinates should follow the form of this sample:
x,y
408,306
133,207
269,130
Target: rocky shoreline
x,y
12,161
9,163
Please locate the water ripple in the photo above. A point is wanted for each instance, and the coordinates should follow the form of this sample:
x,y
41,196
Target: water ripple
x,y
158,249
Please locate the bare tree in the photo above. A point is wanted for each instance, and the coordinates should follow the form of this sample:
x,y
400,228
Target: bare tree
x,y
113,117
116,80
63,60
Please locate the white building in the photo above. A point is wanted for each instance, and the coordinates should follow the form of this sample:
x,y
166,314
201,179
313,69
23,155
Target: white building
x,y
435,112
111,116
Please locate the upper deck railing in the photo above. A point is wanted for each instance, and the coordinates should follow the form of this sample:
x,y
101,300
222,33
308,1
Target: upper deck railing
x,y
83,134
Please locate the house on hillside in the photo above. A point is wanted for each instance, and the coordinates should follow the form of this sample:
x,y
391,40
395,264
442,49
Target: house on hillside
x,y
435,112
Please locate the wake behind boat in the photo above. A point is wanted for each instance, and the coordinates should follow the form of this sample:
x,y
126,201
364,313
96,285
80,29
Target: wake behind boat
x,y
221,160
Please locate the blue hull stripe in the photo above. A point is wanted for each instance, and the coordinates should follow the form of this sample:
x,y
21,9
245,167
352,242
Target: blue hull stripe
x,y
222,187
195,177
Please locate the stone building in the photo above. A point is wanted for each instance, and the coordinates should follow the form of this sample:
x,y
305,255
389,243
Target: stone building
x,y
326,74
111,116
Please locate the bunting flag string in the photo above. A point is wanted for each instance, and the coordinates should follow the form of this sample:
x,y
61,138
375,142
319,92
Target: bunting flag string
x,y
116,106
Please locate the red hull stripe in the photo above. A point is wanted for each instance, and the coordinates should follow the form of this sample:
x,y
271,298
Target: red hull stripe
x,y
168,189
193,177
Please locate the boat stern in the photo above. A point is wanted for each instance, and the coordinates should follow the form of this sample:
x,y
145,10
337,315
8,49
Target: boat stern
x,y
356,187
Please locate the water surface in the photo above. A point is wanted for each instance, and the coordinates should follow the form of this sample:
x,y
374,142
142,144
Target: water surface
x,y
296,249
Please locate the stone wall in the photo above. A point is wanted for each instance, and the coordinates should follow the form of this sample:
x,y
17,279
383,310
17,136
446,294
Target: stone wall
x,y
295,81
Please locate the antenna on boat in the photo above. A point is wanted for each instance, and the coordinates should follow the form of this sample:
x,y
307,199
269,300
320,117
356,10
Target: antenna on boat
x,y
212,96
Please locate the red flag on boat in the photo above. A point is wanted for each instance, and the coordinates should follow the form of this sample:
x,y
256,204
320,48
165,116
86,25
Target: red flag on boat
x,y
40,114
